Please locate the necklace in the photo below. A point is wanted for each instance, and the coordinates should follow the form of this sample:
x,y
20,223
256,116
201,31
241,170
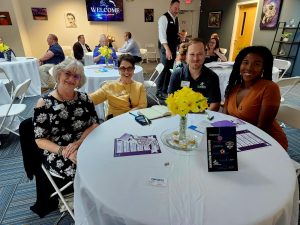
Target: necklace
x,y
62,98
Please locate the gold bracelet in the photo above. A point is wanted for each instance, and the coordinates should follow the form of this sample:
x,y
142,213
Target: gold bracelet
x,y
60,150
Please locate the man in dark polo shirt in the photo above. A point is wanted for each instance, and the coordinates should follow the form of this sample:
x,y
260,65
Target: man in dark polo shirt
x,y
53,56
168,31
196,76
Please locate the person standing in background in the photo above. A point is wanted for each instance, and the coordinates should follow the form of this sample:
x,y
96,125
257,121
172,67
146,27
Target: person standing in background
x,y
80,48
131,47
169,38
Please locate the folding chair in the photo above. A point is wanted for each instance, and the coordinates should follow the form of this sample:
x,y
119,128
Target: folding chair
x,y
150,85
289,114
58,192
105,103
286,85
151,51
282,65
9,84
143,54
12,109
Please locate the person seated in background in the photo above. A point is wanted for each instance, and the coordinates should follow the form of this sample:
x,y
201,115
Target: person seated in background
x,y
80,48
63,119
196,76
131,47
251,95
5,49
181,56
53,56
124,94
213,52
183,36
98,59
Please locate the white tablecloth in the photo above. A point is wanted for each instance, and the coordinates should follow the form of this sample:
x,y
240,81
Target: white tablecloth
x,y
88,59
5,99
95,77
21,70
223,70
112,190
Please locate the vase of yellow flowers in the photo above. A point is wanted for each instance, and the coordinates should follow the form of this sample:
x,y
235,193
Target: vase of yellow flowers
x,y
4,50
181,103
106,52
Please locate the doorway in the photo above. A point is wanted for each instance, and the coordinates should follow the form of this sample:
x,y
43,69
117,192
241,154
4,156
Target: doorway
x,y
185,19
243,29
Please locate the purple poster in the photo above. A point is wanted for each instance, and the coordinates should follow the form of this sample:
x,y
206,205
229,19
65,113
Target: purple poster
x,y
270,14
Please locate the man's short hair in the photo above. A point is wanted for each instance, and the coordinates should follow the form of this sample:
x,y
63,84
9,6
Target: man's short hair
x,y
54,37
174,1
71,14
79,36
128,34
195,41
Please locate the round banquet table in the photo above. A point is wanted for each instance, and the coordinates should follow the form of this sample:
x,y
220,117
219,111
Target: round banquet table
x,y
115,190
5,99
22,69
94,77
223,70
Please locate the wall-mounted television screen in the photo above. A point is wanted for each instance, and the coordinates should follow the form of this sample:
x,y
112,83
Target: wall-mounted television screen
x,y
105,10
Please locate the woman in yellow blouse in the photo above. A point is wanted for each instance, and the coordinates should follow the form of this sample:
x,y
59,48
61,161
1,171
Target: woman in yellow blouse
x,y
124,94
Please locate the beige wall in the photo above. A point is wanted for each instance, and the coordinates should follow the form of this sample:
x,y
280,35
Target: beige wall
x,y
28,36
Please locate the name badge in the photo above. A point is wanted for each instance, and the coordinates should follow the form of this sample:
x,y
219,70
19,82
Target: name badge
x,y
185,83
58,107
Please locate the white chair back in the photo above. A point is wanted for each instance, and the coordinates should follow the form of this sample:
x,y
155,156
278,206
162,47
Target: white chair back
x,y
290,115
68,51
223,51
151,51
282,65
5,79
143,54
287,84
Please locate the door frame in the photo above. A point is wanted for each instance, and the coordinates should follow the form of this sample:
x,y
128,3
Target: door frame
x,y
235,23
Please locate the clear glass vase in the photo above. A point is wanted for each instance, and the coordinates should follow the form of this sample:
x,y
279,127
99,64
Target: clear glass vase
x,y
106,62
182,129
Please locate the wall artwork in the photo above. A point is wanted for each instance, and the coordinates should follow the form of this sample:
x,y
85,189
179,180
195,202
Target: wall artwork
x,y
214,19
149,15
270,14
5,19
39,13
70,20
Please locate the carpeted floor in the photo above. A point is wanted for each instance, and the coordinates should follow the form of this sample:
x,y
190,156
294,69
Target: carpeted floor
x,y
17,193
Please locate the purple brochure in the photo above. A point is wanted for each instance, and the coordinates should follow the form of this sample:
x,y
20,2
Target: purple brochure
x,y
129,144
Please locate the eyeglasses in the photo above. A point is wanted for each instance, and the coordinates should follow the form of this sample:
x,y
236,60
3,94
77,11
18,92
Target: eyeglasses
x,y
129,69
69,74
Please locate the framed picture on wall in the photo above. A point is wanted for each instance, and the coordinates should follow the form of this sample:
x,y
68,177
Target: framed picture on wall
x,y
214,19
70,20
270,14
149,15
5,19
39,13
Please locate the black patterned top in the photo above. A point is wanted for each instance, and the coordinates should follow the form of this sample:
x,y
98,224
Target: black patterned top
x,y
63,122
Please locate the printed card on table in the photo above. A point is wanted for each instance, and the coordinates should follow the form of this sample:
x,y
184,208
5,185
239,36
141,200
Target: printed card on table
x,y
221,149
129,144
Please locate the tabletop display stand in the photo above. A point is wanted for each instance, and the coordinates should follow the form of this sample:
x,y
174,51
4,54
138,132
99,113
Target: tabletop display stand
x,y
286,43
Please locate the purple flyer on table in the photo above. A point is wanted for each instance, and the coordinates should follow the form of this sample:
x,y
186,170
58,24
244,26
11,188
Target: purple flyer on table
x,y
129,144
246,140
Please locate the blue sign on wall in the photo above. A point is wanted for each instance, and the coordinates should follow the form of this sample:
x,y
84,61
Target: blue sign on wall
x,y
105,10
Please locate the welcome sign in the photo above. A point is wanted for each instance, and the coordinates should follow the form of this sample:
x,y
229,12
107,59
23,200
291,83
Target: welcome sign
x,y
105,10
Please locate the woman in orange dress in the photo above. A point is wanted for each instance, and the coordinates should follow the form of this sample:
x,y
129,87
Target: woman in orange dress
x,y
251,95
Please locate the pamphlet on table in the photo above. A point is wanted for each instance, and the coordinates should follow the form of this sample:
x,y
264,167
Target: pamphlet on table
x,y
129,144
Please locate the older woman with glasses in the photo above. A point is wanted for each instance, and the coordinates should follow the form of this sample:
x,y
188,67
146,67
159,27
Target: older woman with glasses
x,y
98,59
63,118
124,94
